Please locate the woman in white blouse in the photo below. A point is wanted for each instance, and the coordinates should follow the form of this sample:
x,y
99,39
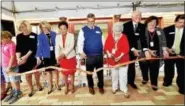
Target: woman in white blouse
x,y
65,54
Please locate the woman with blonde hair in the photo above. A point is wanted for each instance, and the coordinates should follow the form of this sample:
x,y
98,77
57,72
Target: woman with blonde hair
x,y
25,51
46,51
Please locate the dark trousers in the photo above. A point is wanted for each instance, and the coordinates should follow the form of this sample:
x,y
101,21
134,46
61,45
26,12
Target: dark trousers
x,y
131,69
95,62
169,72
152,67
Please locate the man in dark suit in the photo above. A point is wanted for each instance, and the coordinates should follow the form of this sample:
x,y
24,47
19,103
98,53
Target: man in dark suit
x,y
135,32
175,43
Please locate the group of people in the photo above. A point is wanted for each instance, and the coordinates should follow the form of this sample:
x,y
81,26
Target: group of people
x,y
127,42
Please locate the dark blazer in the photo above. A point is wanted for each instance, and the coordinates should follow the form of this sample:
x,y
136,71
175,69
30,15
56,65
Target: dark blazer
x,y
170,37
132,37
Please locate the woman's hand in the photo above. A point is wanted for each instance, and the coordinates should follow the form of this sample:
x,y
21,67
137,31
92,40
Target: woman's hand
x,y
149,53
119,58
153,53
19,61
38,61
24,59
165,54
109,55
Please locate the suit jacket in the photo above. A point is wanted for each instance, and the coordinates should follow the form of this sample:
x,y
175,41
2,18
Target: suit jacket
x,y
43,46
133,37
170,37
69,46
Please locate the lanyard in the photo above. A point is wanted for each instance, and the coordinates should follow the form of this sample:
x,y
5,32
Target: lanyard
x,y
152,35
116,41
49,39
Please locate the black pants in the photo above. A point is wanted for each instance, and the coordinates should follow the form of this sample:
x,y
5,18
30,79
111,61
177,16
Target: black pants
x,y
131,69
91,63
169,72
152,67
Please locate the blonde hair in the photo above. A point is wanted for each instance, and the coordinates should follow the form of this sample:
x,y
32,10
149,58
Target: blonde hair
x,y
27,24
46,24
6,35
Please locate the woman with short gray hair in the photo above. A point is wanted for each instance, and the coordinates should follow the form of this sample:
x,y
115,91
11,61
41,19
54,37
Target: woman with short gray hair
x,y
117,50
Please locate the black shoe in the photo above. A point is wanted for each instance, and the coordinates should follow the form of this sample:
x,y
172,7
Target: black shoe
x,y
154,88
40,89
166,84
133,86
50,89
144,82
15,97
7,98
30,94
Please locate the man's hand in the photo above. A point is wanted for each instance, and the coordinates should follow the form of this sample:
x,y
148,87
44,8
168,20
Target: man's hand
x,y
83,56
136,53
170,51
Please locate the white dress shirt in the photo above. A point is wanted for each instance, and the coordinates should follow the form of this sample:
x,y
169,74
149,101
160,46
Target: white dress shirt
x,y
181,33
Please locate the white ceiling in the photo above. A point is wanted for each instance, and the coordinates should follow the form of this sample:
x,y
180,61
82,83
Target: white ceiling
x,y
80,9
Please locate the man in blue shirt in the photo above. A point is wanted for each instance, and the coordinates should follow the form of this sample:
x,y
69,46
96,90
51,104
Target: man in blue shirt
x,y
90,48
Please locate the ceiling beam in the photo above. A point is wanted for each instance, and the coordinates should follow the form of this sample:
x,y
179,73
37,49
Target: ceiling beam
x,y
133,6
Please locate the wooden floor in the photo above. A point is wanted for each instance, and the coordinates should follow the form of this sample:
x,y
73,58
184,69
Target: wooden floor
x,y
143,96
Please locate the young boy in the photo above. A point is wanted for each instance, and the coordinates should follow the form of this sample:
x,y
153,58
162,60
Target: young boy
x,y
9,64
3,91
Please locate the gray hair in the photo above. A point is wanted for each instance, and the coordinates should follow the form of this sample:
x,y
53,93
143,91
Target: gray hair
x,y
117,28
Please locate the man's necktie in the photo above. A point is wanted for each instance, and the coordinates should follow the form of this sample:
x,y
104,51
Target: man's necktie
x,y
177,41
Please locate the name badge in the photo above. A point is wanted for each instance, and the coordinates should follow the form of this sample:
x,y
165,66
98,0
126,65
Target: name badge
x,y
158,33
32,36
152,44
113,51
51,48
137,34
98,32
172,33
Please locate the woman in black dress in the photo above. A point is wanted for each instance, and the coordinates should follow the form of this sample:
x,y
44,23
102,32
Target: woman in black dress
x,y
25,51
45,52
